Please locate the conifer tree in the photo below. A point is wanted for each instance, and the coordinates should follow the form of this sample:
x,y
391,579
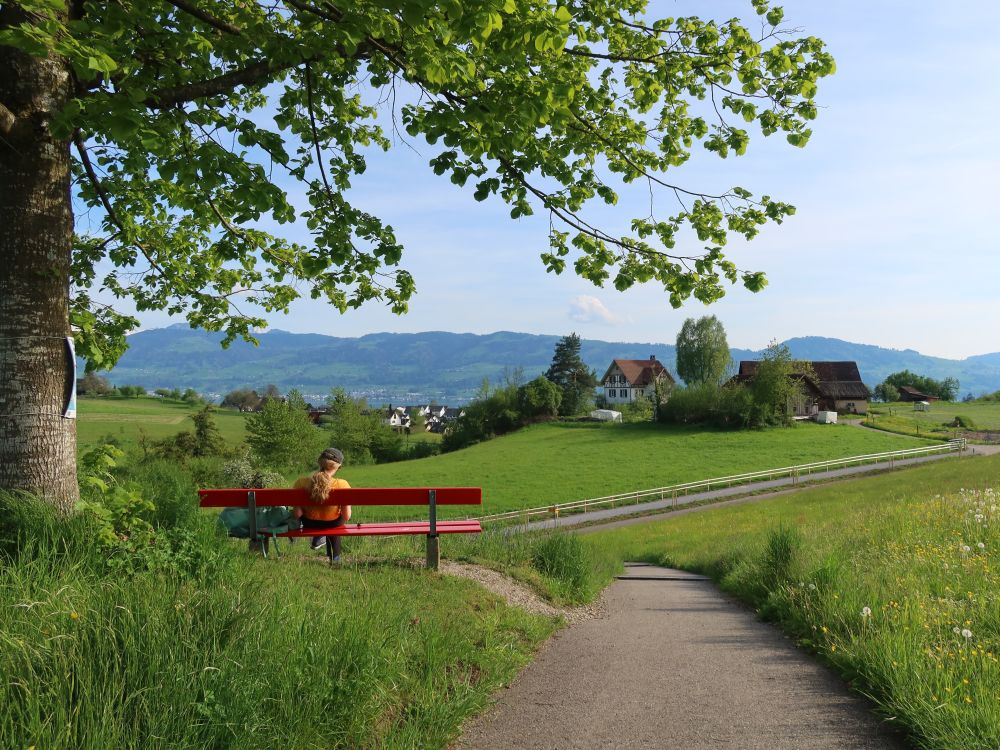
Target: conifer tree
x,y
575,380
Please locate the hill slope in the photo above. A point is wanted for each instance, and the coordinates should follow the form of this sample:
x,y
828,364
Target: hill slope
x,y
449,367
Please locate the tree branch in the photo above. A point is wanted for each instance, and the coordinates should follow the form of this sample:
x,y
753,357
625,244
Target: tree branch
x,y
81,148
193,10
254,73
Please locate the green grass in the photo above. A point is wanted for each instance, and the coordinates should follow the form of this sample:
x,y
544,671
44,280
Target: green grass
x,y
903,545
123,418
241,652
559,462
904,419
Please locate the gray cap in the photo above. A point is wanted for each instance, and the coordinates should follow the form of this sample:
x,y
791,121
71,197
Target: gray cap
x,y
332,454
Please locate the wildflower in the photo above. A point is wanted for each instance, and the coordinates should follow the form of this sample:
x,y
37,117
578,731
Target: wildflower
x,y
956,630
866,612
980,545
966,633
966,548
74,616
812,586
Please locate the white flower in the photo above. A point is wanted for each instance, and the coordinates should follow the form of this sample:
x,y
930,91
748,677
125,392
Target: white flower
x,y
946,566
812,586
980,545
956,630
966,633
866,612
966,548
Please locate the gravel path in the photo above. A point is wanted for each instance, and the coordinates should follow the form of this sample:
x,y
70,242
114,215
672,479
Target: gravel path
x,y
672,663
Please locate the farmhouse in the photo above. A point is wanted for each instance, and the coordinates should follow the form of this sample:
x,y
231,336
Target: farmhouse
x,y
627,379
908,393
831,386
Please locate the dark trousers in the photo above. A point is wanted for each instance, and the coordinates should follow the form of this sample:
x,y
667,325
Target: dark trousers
x,y
333,543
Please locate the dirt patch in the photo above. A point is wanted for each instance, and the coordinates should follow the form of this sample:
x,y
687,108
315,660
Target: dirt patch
x,y
518,594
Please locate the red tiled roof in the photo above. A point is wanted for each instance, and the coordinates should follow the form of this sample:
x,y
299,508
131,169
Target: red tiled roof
x,y
639,372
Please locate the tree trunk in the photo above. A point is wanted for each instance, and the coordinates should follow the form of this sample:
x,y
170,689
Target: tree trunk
x,y
37,444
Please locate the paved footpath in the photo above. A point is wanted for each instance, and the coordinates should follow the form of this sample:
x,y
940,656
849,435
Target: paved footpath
x,y
672,663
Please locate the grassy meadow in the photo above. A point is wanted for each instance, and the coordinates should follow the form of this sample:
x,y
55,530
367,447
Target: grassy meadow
x,y
558,461
937,422
189,642
894,580
122,419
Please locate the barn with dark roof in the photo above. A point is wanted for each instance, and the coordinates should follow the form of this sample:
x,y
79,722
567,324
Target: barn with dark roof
x,y
831,386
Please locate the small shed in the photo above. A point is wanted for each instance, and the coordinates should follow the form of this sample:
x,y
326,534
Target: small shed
x,y
606,415
921,406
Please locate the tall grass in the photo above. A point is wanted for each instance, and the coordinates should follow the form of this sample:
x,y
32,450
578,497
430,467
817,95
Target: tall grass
x,y
893,580
202,645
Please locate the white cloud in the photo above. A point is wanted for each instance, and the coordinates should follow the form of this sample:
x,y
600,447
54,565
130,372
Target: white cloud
x,y
587,309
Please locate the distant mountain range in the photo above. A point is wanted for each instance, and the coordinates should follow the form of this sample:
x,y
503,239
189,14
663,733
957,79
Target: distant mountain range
x,y
449,367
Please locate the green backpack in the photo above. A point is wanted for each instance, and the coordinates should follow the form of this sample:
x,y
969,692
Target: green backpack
x,y
271,520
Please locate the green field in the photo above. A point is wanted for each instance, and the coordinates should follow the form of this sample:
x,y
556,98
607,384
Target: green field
x,y
935,423
543,464
558,462
123,418
894,580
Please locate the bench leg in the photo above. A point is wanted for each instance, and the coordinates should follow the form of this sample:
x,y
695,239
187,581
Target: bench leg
x,y
433,552
329,548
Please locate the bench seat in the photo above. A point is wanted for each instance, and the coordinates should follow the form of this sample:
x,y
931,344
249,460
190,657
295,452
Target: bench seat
x,y
431,497
385,529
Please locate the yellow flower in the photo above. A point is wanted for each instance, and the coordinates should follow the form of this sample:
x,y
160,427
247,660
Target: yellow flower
x,y
74,616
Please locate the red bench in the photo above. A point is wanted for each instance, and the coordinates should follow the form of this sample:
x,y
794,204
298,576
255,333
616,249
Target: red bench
x,y
251,499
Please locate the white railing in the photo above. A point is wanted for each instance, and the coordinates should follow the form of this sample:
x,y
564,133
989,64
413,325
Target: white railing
x,y
672,491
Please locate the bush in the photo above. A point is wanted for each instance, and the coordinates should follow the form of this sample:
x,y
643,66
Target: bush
x,y
281,434
964,422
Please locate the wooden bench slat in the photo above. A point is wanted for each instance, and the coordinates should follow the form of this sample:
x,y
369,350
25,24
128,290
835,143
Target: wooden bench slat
x,y
237,497
387,529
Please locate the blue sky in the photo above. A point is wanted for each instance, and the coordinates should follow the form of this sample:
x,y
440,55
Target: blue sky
x,y
891,244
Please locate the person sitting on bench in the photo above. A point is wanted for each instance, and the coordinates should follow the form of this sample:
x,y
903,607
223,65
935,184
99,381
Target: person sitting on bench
x,y
324,515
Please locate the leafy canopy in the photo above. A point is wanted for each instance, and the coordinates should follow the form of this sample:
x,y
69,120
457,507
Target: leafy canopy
x,y
188,121
702,351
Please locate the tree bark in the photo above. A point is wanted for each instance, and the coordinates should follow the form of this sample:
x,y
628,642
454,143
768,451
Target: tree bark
x,y
37,444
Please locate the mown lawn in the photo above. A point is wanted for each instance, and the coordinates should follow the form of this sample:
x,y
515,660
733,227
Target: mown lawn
x,y
122,419
937,421
894,580
559,462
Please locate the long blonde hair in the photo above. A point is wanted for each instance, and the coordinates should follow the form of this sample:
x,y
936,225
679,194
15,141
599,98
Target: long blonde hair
x,y
320,481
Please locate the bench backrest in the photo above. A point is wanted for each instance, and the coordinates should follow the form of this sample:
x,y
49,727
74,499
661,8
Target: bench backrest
x,y
238,497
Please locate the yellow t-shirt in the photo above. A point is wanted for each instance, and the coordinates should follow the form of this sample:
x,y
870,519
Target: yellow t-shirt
x,y
327,511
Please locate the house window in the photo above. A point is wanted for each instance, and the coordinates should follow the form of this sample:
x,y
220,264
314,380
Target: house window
x,y
612,393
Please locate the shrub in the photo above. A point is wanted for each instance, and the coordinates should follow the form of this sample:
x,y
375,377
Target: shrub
x,y
281,433
246,471
964,422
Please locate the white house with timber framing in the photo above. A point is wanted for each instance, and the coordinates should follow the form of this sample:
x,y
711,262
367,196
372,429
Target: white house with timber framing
x,y
627,379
